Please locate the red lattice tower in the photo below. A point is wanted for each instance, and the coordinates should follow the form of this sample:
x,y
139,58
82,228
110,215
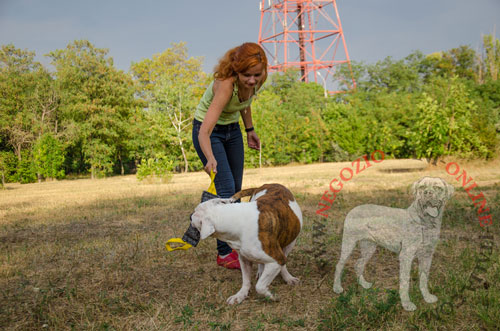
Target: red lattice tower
x,y
306,34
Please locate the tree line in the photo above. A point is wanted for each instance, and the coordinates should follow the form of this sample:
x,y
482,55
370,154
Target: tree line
x,y
85,117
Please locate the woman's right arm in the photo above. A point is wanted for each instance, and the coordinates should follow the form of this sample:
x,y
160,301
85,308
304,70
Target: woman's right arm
x,y
223,90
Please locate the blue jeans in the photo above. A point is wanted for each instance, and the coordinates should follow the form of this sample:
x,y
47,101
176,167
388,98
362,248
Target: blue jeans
x,y
227,146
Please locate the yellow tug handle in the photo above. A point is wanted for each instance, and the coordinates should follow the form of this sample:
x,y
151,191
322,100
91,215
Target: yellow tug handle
x,y
211,188
185,245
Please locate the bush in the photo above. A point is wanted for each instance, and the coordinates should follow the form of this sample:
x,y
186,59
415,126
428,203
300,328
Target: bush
x,y
48,155
444,122
8,165
26,168
158,169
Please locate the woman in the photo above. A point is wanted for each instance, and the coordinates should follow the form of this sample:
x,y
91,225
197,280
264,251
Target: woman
x,y
217,136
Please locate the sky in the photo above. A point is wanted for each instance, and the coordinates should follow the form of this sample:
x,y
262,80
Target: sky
x,y
134,30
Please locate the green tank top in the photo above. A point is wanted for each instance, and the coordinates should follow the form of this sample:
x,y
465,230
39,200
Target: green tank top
x,y
230,113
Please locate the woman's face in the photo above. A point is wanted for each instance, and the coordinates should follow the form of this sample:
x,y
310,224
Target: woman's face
x,y
252,76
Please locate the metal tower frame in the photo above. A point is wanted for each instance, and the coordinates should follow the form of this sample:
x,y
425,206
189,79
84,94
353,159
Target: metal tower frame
x,y
306,34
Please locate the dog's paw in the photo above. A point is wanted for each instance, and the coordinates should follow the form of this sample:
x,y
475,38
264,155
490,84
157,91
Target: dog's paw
x,y
292,281
364,283
430,298
409,306
338,289
266,293
235,299
272,297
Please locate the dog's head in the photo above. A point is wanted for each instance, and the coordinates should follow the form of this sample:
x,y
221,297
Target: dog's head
x,y
204,216
431,195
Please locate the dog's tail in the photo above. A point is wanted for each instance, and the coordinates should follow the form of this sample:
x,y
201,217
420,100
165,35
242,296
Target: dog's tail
x,y
245,193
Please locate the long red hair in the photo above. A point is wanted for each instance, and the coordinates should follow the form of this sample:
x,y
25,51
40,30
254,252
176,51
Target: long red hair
x,y
240,59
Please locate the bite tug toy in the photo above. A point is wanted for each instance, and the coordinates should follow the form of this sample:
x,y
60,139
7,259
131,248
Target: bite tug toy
x,y
192,236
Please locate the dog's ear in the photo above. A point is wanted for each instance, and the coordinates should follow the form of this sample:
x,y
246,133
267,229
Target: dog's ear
x,y
207,228
201,219
414,187
449,189
203,224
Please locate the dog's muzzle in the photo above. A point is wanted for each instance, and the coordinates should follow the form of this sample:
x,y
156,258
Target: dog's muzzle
x,y
192,235
431,206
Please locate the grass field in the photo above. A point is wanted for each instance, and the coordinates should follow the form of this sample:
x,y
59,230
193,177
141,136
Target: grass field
x,y
89,254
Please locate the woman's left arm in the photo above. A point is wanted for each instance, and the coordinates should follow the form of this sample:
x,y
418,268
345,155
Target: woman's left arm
x,y
252,138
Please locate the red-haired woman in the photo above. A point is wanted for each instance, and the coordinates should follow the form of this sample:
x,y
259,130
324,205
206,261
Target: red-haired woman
x,y
217,136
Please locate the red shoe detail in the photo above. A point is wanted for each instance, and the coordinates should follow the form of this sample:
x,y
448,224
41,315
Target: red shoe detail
x,y
230,262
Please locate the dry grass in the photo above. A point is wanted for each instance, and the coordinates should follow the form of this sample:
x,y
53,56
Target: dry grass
x,y
87,254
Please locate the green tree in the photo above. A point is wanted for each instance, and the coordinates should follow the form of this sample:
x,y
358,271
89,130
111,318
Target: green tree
x,y
394,76
461,62
343,76
175,100
491,60
29,102
171,84
306,128
268,129
48,155
346,132
173,64
388,75
4,166
26,172
154,169
287,117
17,84
97,102
444,124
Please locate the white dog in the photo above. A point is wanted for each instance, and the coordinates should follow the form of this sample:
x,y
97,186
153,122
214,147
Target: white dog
x,y
262,230
408,232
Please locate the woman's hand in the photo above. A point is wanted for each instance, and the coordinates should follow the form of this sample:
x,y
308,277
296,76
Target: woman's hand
x,y
211,166
253,140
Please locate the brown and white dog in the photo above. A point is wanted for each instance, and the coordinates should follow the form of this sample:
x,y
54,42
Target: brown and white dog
x,y
262,230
